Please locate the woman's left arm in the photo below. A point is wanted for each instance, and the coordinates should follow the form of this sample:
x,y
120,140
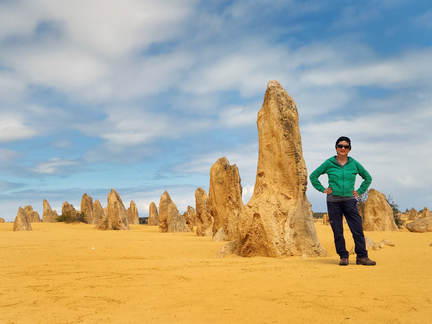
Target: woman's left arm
x,y
367,179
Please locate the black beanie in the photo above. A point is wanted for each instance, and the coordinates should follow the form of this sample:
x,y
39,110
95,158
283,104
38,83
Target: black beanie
x,y
343,138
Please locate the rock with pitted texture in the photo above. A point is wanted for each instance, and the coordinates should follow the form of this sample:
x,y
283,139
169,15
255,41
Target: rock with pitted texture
x,y
22,222
278,221
48,215
32,215
170,220
153,219
98,212
225,198
115,216
132,214
378,215
87,209
190,217
203,217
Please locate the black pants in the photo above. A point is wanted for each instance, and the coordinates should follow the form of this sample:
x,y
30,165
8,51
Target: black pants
x,y
348,208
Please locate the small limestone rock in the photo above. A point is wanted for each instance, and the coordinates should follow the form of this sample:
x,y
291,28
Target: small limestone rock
x,y
220,236
225,198
378,215
170,220
227,249
370,245
412,214
115,216
98,212
385,242
48,215
132,214
425,213
190,217
420,225
22,222
153,219
32,215
87,209
204,219
69,209
326,220
2,220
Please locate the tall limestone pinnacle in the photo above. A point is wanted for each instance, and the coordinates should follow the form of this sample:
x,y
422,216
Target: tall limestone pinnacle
x,y
278,219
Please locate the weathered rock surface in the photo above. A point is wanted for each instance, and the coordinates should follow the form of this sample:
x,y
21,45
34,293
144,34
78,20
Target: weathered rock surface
x,y
225,198
68,209
22,222
378,215
132,213
115,216
87,209
170,220
412,214
425,213
190,217
227,249
278,219
385,242
33,216
203,217
153,219
2,220
220,236
370,245
98,212
48,215
420,225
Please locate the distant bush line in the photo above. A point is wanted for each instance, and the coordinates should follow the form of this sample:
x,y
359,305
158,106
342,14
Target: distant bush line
x,y
68,218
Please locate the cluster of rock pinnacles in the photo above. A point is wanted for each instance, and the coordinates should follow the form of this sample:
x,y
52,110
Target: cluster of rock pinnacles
x,y
276,222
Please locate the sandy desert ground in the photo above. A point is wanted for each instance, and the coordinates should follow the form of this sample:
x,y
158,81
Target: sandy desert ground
x,y
71,273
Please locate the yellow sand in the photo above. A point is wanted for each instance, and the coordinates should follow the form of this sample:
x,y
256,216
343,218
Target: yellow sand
x,y
66,273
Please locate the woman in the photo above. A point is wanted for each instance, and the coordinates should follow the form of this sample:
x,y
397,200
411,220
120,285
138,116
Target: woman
x,y
341,199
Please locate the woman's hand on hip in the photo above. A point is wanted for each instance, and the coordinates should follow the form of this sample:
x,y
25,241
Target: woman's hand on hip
x,y
328,191
355,193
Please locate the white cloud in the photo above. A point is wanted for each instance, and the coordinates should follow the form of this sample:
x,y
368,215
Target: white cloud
x,y
55,165
13,130
387,73
63,69
238,116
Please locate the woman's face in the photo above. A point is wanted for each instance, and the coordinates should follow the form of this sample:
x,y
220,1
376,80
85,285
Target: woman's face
x,y
342,148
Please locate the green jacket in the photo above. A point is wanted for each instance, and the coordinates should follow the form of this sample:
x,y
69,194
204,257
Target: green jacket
x,y
341,180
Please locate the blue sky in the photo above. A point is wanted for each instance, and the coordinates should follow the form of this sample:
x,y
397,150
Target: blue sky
x,y
145,96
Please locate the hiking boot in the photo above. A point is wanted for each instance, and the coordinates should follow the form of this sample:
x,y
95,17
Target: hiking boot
x,y
344,262
365,261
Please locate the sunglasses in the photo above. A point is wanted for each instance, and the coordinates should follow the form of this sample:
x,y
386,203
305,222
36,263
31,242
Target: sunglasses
x,y
343,146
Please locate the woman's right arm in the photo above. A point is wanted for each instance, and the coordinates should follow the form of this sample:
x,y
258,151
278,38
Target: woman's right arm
x,y
315,175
